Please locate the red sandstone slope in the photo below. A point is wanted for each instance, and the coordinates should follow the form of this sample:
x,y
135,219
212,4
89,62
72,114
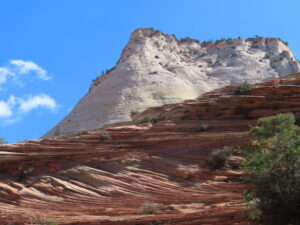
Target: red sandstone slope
x,y
105,176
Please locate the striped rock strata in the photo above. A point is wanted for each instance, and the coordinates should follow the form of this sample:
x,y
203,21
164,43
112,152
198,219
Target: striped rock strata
x,y
104,176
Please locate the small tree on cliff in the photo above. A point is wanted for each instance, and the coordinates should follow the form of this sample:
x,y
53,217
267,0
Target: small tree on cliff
x,y
273,166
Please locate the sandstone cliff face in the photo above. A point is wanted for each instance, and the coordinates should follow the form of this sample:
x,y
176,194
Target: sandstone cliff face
x,y
155,69
104,176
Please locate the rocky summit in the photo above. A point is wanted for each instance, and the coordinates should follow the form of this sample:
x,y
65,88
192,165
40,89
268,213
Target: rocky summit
x,y
143,172
156,69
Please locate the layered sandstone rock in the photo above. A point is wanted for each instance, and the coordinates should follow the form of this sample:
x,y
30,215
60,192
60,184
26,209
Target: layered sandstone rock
x,y
155,69
104,176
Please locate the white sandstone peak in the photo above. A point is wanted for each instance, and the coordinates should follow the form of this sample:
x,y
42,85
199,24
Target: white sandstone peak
x,y
156,69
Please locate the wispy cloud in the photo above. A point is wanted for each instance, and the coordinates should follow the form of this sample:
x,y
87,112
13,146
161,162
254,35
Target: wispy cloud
x,y
5,111
15,108
25,67
15,68
4,73
41,100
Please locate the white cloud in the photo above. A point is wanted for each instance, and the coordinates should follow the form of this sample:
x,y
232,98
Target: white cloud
x,y
4,73
5,110
18,67
25,67
36,101
14,108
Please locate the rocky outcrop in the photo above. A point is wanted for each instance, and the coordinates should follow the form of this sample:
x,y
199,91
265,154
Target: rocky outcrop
x,y
105,176
156,69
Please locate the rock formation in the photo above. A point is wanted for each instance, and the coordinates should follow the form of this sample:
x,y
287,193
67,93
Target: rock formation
x,y
156,69
105,176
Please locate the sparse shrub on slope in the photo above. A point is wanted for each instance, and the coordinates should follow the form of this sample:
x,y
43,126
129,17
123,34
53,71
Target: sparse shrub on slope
x,y
42,220
188,39
148,208
273,166
147,119
243,89
154,32
219,158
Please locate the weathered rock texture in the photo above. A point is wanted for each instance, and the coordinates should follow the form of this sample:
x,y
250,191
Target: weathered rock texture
x,y
155,69
104,176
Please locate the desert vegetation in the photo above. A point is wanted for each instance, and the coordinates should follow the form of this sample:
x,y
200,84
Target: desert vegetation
x,y
273,166
219,158
42,220
148,208
188,39
154,32
243,89
103,73
147,119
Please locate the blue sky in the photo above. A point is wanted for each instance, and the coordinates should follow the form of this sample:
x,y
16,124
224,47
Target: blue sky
x,y
51,50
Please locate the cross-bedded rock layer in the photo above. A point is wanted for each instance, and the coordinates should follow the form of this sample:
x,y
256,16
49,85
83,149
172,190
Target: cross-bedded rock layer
x,y
105,176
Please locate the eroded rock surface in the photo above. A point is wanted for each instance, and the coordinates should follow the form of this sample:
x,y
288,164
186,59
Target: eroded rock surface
x,y
155,69
104,176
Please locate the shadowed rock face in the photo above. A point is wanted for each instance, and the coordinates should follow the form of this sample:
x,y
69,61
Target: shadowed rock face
x,y
155,69
104,176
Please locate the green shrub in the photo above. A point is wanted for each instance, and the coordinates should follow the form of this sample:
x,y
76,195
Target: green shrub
x,y
148,208
23,173
174,36
147,119
219,158
43,220
153,32
243,89
206,43
220,40
273,166
285,42
133,113
188,39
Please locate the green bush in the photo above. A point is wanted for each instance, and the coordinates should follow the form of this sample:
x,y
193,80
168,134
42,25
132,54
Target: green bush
x,y
23,173
206,43
133,113
154,32
219,158
148,208
42,220
273,166
243,89
188,39
174,36
147,119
